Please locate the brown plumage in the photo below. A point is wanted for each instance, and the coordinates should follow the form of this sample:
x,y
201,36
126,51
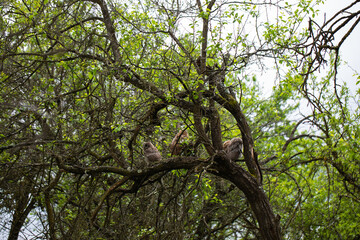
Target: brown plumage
x,y
176,146
151,153
233,148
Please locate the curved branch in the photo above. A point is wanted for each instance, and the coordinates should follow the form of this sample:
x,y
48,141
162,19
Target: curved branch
x,y
229,103
165,165
106,194
269,224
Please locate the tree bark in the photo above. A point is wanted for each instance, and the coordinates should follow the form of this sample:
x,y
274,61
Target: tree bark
x,y
269,224
22,210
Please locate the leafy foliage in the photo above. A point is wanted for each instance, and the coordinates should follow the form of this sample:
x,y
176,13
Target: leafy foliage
x,y
85,83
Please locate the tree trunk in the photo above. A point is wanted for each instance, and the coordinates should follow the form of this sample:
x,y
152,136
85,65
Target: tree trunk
x,y
21,212
269,224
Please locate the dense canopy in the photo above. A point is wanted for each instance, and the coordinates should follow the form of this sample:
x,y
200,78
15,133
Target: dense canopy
x,y
85,85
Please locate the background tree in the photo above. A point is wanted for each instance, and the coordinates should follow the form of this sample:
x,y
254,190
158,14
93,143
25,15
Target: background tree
x,y
85,83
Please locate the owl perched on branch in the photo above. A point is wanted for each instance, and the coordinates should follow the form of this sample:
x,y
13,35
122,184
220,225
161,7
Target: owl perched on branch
x,y
151,153
233,148
177,145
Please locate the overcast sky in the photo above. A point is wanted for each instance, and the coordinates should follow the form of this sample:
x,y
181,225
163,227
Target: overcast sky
x,y
350,50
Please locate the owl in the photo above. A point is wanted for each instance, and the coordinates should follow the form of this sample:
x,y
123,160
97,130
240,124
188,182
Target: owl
x,y
177,145
233,148
151,153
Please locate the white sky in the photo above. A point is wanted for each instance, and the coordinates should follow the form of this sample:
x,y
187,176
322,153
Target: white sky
x,y
350,50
